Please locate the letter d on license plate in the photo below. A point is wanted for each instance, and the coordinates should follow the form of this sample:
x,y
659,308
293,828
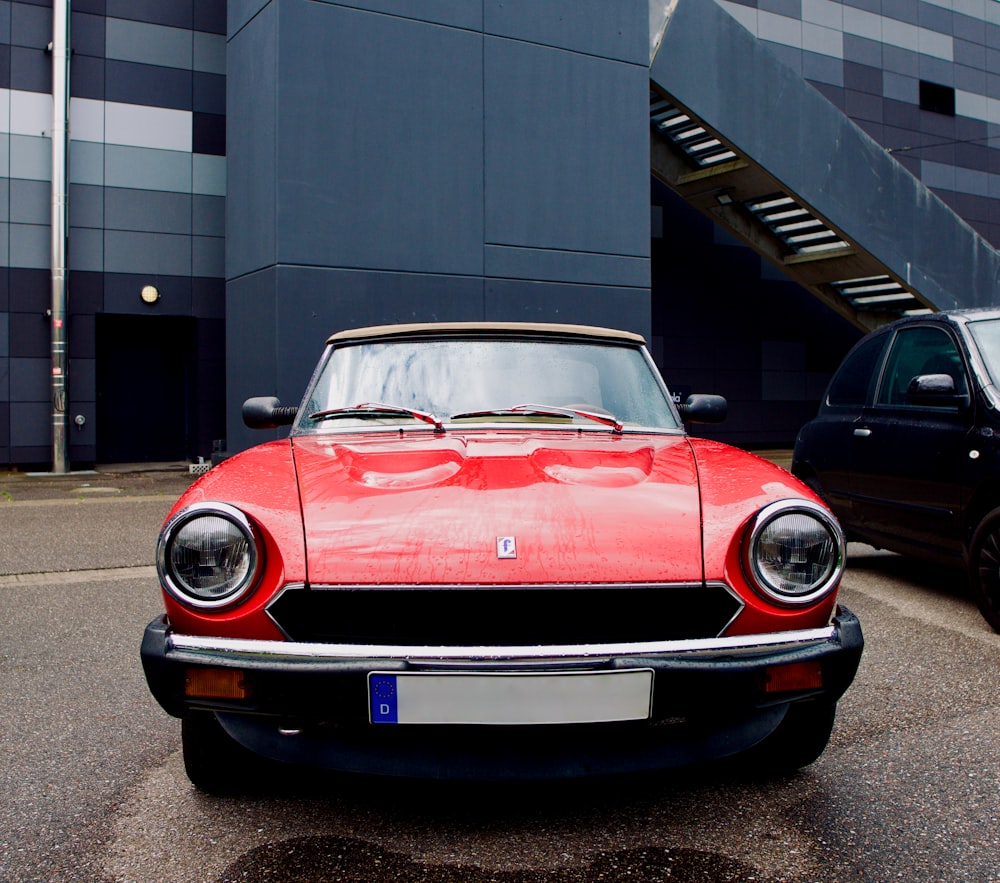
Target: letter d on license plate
x,y
510,698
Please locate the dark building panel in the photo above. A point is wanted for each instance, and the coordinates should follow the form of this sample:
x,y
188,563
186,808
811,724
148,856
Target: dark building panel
x,y
80,335
86,206
381,169
566,266
29,382
87,292
567,150
29,336
616,30
209,16
4,67
30,69
30,26
29,290
456,13
147,210
208,133
208,298
82,385
251,358
863,106
625,308
209,93
148,85
176,13
208,215
87,33
251,196
86,78
863,78
96,7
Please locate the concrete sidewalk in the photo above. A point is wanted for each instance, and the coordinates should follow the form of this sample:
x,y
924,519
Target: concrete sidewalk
x,y
122,480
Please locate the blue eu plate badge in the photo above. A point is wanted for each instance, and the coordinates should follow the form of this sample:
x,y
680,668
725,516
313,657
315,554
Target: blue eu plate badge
x,y
382,696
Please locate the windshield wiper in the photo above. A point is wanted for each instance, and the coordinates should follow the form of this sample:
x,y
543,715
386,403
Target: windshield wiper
x,y
378,409
545,411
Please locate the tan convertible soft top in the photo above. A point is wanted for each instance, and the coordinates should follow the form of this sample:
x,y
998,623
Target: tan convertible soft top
x,y
512,328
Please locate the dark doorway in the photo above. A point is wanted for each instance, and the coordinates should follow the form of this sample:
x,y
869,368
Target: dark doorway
x,y
145,388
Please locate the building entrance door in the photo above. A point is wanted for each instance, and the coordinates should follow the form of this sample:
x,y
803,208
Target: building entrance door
x,y
145,388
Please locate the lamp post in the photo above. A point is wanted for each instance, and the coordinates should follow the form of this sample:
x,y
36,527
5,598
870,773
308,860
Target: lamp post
x,y
59,224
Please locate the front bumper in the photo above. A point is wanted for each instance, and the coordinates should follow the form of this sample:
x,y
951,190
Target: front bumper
x,y
305,684
309,704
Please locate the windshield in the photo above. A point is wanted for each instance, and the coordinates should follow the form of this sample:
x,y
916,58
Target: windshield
x,y
986,333
467,381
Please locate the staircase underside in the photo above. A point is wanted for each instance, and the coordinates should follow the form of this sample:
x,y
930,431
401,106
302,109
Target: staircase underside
x,y
748,142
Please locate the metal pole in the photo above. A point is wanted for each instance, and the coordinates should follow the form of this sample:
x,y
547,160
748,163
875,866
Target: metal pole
x,y
60,144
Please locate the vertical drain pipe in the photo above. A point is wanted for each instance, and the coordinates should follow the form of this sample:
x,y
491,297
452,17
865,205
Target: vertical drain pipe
x,y
60,223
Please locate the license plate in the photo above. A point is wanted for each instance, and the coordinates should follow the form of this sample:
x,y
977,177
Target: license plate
x,y
510,698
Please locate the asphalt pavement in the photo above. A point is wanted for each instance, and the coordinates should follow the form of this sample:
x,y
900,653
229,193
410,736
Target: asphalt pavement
x,y
77,585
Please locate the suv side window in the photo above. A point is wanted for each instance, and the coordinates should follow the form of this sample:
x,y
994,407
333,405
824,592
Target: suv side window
x,y
851,384
918,351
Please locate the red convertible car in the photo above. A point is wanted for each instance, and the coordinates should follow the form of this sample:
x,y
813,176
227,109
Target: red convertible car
x,y
492,551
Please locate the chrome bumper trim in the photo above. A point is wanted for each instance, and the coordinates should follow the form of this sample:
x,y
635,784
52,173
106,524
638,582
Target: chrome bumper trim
x,y
235,649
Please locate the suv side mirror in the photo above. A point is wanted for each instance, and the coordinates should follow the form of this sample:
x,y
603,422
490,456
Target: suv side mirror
x,y
702,408
267,412
935,391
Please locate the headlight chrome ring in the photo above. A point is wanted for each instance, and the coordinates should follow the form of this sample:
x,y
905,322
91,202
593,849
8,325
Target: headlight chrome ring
x,y
209,555
793,552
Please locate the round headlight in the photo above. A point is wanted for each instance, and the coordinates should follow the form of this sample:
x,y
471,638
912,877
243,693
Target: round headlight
x,y
208,555
794,552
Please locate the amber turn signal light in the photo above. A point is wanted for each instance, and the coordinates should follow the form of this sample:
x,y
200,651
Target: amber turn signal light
x,y
216,683
792,677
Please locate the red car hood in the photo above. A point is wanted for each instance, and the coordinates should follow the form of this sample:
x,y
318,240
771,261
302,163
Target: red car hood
x,y
419,510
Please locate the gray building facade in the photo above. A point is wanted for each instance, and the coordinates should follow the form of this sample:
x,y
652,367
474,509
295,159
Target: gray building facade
x,y
500,157
280,170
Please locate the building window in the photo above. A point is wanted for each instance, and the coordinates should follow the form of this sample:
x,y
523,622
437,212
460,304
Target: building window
x,y
937,98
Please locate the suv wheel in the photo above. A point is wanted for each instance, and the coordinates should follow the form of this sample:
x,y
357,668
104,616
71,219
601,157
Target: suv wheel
x,y
984,568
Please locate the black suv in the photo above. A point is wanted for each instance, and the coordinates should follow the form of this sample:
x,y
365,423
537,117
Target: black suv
x,y
906,445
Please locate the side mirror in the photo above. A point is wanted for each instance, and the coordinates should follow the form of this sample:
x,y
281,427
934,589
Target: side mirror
x,y
702,408
935,391
267,412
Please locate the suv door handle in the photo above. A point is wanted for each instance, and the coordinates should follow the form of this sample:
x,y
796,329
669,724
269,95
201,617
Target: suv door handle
x,y
862,433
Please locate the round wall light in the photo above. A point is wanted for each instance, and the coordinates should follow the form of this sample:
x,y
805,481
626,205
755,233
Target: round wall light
x,y
150,294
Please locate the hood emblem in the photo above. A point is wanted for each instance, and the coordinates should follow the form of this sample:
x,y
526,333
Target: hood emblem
x,y
506,547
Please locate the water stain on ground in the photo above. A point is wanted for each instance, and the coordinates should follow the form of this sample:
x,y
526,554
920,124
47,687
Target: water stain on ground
x,y
340,860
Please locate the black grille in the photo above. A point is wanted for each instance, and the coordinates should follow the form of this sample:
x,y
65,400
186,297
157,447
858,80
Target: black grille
x,y
502,615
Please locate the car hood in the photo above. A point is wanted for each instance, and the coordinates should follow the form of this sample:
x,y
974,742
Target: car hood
x,y
420,509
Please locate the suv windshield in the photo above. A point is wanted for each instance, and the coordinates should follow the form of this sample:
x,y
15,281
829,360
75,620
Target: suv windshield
x,y
986,333
465,381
